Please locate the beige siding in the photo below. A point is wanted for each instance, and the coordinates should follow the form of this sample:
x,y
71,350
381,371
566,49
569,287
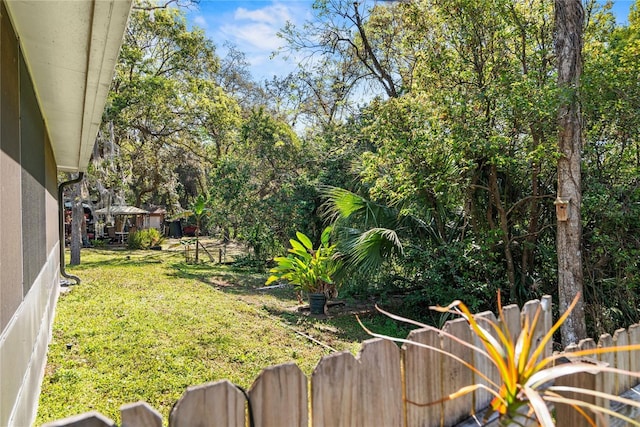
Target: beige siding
x,y
24,345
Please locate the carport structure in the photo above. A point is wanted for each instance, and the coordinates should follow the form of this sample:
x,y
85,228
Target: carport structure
x,y
121,228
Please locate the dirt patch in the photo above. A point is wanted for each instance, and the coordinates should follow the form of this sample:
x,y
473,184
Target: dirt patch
x,y
221,283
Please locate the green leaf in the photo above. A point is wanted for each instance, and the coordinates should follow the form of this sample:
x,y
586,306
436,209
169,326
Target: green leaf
x,y
324,239
304,240
296,246
271,279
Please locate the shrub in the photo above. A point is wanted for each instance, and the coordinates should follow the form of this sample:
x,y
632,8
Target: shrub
x,y
155,238
97,243
309,269
144,239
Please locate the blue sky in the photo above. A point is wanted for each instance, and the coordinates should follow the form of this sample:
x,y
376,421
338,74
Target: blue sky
x,y
252,26
621,10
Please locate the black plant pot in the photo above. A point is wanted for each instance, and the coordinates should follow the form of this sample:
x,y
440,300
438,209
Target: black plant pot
x,y
317,303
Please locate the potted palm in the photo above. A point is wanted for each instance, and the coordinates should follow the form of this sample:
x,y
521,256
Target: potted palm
x,y
309,270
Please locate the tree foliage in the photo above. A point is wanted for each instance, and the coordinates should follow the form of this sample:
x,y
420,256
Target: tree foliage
x,y
167,116
436,119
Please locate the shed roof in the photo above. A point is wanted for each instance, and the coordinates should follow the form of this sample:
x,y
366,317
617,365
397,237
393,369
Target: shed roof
x,y
121,210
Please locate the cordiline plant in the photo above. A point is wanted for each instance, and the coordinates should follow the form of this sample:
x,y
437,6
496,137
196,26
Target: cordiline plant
x,y
525,391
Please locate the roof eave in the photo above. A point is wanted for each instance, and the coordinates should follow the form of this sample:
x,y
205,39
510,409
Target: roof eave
x,y
71,49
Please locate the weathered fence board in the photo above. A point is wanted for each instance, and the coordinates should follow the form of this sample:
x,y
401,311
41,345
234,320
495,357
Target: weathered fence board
x,y
512,320
89,419
455,374
634,355
334,388
217,404
385,385
484,363
423,379
608,379
546,304
532,311
140,414
380,384
599,384
279,397
587,380
623,382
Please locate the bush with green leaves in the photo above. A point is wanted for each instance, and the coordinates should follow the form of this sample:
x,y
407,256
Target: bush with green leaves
x,y
98,243
144,239
308,269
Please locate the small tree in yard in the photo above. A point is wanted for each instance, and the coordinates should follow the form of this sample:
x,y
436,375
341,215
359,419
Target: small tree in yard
x,y
199,209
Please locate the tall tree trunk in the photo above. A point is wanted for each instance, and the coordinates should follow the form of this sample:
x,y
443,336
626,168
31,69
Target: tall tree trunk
x,y
569,21
504,228
529,245
77,217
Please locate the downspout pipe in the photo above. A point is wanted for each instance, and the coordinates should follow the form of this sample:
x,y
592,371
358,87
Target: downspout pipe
x,y
61,188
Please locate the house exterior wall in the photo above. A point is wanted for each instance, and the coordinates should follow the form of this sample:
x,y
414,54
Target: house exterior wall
x,y
29,244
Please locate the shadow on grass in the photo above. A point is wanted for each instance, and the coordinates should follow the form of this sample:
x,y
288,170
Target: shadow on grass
x,y
228,278
341,322
119,257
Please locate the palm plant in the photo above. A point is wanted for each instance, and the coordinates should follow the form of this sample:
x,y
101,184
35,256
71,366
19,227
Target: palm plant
x,y
371,233
525,390
368,232
199,209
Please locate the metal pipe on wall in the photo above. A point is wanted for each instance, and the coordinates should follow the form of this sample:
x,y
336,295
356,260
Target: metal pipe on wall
x,y
61,188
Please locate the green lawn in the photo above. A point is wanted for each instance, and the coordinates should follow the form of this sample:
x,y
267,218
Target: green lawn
x,y
144,325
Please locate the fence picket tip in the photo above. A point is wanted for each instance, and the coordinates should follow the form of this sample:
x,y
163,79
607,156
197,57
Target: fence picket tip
x,y
201,405
88,419
140,414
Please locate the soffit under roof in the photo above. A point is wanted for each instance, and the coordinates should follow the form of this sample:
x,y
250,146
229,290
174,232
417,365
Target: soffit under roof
x,y
71,48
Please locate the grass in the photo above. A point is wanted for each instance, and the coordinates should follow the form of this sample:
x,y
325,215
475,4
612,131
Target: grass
x,y
144,325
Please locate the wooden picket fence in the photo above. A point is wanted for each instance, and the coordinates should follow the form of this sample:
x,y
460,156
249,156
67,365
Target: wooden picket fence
x,y
385,385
